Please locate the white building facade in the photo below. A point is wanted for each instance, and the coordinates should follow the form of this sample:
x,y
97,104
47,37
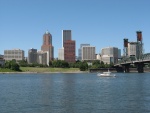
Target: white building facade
x,y
43,57
61,54
132,48
80,51
15,54
109,54
88,53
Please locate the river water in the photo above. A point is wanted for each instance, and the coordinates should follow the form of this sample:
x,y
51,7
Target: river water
x,y
75,93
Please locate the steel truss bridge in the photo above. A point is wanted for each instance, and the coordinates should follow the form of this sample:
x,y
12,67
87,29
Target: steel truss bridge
x,y
125,62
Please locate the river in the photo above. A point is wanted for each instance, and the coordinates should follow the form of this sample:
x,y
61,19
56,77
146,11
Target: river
x,y
75,93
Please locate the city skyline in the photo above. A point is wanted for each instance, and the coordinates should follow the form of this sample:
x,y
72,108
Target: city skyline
x,y
99,23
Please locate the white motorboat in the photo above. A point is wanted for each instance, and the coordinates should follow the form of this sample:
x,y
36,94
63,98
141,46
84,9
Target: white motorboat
x,y
106,74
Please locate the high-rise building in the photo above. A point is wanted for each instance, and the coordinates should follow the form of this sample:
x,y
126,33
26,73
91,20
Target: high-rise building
x,y
88,53
69,51
66,35
80,51
32,56
98,57
109,54
1,56
15,54
125,50
132,49
47,45
43,57
119,53
61,54
2,61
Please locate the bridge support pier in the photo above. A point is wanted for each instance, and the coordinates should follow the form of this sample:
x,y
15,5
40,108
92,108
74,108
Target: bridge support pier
x,y
140,67
126,68
119,69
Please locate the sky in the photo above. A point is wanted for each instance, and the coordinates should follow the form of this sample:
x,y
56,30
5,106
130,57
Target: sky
x,y
100,23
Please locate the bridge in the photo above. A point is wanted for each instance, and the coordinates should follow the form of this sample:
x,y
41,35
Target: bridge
x,y
125,63
133,55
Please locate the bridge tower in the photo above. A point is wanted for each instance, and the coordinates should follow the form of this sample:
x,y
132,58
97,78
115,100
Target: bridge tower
x,y
140,65
139,45
125,50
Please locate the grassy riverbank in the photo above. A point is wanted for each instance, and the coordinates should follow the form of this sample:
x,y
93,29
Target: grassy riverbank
x,y
43,70
6,70
48,69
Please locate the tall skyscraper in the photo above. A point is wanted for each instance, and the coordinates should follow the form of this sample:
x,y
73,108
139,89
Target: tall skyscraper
x,y
47,45
69,51
66,35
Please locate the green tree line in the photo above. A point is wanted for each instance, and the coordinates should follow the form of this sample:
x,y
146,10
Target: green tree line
x,y
83,66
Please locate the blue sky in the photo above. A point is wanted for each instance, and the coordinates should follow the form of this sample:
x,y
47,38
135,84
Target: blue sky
x,y
101,23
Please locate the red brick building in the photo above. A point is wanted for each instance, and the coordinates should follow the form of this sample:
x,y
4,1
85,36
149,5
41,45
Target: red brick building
x,y
47,45
69,51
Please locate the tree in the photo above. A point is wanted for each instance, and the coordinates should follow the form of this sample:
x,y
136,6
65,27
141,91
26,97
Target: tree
x,y
7,65
77,64
50,64
12,65
107,65
15,67
65,64
149,65
23,63
96,64
60,64
83,66
111,64
56,63
102,65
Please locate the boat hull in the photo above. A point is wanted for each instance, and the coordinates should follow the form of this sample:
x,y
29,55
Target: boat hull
x,y
106,75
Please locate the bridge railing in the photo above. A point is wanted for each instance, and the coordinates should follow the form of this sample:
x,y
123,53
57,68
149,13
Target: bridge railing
x,y
146,56
133,58
126,60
